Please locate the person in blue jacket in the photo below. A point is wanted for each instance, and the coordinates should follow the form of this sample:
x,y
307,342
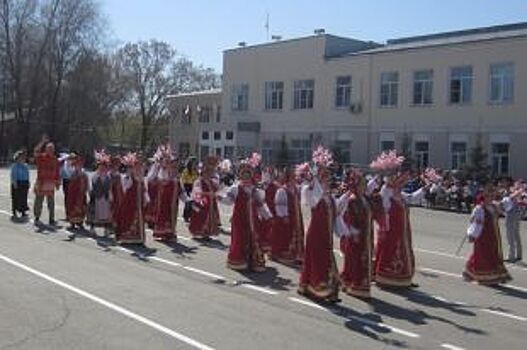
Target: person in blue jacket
x,y
19,185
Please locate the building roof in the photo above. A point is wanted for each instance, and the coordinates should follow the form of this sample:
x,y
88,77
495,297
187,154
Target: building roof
x,y
334,45
452,38
197,93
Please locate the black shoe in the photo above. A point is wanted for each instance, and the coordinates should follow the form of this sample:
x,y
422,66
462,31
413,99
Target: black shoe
x,y
37,221
52,223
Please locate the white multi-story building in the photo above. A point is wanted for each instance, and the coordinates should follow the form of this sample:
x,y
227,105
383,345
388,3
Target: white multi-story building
x,y
440,94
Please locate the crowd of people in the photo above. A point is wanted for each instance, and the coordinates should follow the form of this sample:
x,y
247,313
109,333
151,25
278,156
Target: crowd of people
x,y
127,195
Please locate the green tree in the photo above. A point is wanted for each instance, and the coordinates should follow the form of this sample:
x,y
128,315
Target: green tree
x,y
477,168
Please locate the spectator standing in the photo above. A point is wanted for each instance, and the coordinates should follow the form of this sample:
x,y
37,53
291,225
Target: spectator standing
x,y
19,185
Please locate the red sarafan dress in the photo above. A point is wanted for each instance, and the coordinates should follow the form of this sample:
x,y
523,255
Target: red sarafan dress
x,y
130,221
166,205
245,252
76,202
485,264
319,277
116,190
287,239
394,256
205,218
150,208
267,225
356,274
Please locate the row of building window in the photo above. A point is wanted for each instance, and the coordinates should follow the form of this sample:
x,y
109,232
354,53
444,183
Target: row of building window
x,y
216,135
299,150
206,114
501,89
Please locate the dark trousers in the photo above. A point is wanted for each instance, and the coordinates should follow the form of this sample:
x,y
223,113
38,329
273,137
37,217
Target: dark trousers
x,y
19,197
65,183
187,211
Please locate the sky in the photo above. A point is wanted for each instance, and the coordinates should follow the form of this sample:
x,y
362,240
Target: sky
x,y
202,29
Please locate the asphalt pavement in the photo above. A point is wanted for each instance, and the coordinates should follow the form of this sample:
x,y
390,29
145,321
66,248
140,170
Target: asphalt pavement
x,y
91,294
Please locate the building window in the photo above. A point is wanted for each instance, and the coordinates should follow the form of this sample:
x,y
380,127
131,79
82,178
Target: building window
x,y
300,150
228,152
461,85
343,92
502,83
204,114
229,135
184,149
421,154
204,152
274,95
389,89
304,94
205,135
343,151
458,153
423,87
387,145
500,158
240,97
218,114
217,135
186,116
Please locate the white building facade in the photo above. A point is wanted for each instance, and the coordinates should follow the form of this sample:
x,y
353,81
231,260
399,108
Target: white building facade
x,y
440,95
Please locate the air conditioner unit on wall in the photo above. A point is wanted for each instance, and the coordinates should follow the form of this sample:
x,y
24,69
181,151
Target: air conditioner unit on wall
x,y
356,108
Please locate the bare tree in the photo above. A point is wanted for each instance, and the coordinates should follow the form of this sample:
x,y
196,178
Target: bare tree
x,y
147,68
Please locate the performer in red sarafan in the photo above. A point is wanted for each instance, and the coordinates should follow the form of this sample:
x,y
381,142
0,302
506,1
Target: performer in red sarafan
x,y
245,252
76,202
319,277
270,187
116,189
394,255
168,193
205,218
287,239
357,247
130,220
485,264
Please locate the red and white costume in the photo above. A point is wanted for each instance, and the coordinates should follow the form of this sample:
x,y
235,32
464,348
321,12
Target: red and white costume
x,y
245,252
319,277
287,239
485,264
165,204
76,201
357,247
394,258
205,218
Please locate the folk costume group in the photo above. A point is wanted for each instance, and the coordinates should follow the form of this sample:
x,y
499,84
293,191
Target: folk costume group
x,y
267,214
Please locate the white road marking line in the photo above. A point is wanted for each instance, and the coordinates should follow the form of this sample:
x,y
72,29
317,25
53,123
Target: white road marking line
x,y
119,309
260,289
359,319
439,253
521,289
5,212
452,256
439,272
204,273
444,300
505,314
455,275
451,347
164,261
308,303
